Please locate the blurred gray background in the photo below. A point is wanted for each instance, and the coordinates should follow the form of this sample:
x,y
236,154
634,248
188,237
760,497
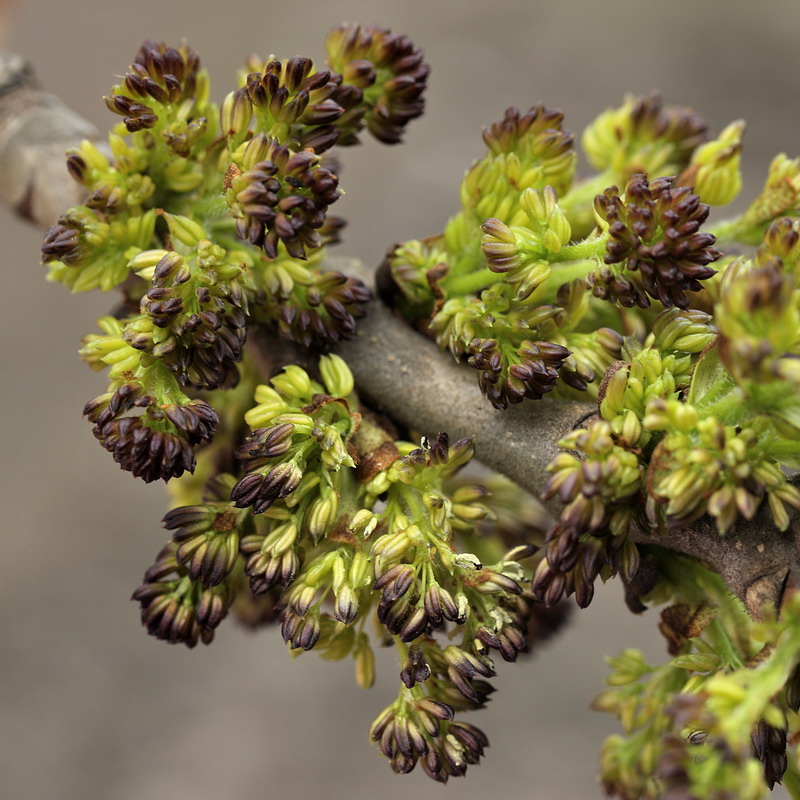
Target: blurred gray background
x,y
91,707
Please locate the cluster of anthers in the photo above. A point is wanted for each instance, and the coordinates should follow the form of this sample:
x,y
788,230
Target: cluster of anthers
x,y
331,521
213,222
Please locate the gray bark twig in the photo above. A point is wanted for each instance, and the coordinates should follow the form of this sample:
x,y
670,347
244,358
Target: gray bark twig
x,y
402,373
406,377
35,130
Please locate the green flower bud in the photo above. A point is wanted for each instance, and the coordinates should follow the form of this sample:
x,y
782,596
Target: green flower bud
x,y
630,429
365,662
334,454
358,575
546,218
363,523
320,516
518,252
336,375
389,548
185,230
715,167
643,136
293,383
235,115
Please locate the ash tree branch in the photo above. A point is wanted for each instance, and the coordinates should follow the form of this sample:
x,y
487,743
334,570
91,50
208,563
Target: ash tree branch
x,y
405,376
35,130
400,372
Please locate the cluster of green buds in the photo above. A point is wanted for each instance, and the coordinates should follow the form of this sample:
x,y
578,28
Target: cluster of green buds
x,y
89,249
305,425
535,257
758,313
714,170
212,221
702,466
332,522
661,369
719,718
213,224
643,136
601,477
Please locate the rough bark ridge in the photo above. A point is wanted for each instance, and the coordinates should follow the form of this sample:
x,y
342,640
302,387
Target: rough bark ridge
x,y
401,373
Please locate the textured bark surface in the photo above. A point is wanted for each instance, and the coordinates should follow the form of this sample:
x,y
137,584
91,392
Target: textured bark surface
x,y
405,376
400,372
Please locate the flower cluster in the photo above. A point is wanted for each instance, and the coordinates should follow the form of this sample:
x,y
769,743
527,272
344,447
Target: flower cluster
x,y
289,100
702,466
279,196
159,76
193,316
331,521
531,371
144,419
758,314
682,437
521,262
643,135
157,443
654,237
309,510
703,725
87,249
178,608
386,72
213,220
596,488
662,370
